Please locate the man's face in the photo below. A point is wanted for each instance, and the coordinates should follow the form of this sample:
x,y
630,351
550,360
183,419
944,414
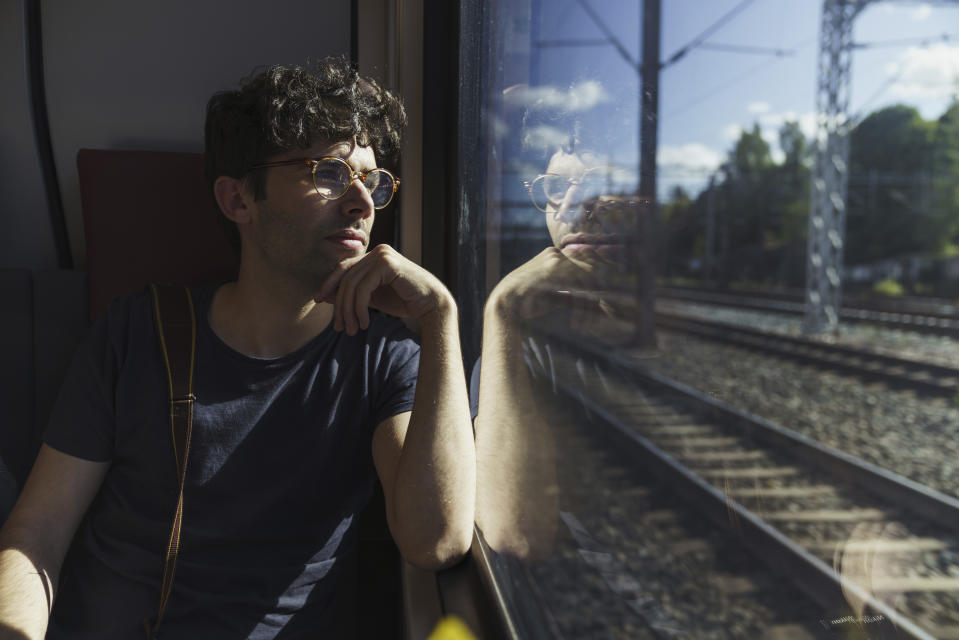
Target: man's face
x,y
299,233
595,222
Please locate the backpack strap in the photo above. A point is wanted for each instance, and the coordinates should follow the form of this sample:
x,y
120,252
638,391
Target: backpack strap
x,y
176,332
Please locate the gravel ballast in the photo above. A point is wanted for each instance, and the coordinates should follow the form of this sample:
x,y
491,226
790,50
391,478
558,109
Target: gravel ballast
x,y
916,437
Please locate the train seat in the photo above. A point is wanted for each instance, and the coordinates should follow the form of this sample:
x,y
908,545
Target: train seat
x,y
42,319
148,217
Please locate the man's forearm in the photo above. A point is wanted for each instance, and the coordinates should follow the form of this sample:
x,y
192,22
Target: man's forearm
x,y
436,473
26,590
516,492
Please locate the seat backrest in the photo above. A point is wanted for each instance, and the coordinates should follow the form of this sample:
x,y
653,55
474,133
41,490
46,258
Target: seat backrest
x,y
148,217
43,316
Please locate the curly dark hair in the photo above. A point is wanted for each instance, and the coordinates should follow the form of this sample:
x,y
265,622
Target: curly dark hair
x,y
285,108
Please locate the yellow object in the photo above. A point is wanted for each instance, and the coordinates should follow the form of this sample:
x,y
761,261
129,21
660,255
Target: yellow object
x,y
452,628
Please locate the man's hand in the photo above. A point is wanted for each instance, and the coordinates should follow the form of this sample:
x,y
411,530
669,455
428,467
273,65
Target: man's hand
x,y
384,280
541,285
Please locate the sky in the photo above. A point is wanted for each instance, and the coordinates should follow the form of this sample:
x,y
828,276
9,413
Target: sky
x,y
909,54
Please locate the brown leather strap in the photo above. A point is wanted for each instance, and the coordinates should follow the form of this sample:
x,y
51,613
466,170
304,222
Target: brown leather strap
x,y
176,331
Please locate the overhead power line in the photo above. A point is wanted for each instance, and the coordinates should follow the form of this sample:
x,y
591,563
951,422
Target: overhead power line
x,y
728,84
698,40
573,42
922,42
738,48
620,47
860,113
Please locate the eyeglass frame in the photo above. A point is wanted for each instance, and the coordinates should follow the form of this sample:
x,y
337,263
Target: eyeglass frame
x,y
313,163
572,183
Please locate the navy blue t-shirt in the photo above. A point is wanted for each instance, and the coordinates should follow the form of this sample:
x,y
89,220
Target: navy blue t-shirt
x,y
280,465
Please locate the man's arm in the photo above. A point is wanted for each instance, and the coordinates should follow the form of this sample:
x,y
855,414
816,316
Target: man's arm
x,y
517,492
425,459
35,538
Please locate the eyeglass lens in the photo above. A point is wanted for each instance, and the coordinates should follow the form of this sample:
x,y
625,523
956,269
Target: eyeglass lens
x,y
332,179
554,189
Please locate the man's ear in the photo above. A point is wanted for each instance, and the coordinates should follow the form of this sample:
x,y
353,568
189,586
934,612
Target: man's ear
x,y
232,199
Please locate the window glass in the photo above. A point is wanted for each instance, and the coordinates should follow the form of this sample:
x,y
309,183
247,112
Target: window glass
x,y
716,245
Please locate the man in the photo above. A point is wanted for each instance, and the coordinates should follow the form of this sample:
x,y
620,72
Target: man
x,y
302,391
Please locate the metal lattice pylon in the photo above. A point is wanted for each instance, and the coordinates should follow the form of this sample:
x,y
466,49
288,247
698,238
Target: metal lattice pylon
x,y
827,215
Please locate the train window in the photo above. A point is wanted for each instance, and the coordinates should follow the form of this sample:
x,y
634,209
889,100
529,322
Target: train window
x,y
716,245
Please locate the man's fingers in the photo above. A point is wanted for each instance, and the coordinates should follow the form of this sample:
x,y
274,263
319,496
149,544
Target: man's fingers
x,y
349,305
338,317
327,292
364,291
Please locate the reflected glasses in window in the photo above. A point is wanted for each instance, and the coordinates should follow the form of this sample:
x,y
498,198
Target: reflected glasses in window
x,y
333,176
553,190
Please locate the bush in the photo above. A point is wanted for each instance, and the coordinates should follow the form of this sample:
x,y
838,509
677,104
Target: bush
x,y
888,287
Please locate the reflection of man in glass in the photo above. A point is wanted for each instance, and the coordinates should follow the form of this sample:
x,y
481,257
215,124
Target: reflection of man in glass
x,y
568,289
588,212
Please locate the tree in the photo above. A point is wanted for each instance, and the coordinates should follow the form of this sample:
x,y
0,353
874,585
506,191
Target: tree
x,y
941,231
890,155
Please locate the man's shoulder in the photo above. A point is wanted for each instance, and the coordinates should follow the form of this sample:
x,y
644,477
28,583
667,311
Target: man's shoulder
x,y
132,313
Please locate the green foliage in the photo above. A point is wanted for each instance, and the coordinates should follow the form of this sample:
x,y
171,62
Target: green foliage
x,y
888,287
678,200
942,228
888,197
759,209
793,144
751,155
948,250
902,200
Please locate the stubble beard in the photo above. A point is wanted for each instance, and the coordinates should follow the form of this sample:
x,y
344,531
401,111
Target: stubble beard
x,y
298,255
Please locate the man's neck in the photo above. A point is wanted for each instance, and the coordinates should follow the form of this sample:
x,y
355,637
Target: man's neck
x,y
266,320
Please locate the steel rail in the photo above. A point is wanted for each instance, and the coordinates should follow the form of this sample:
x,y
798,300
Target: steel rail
x,y
924,376
931,323
879,482
921,306
816,578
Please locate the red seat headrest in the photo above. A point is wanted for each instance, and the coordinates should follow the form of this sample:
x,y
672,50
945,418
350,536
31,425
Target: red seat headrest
x,y
149,217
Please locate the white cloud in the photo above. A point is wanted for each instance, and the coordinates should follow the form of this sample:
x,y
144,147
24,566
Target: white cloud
x,y
689,157
770,135
769,125
917,13
924,73
546,137
732,132
579,97
922,12
773,122
758,107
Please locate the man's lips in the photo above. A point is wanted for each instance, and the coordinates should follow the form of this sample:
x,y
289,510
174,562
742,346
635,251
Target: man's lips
x,y
348,238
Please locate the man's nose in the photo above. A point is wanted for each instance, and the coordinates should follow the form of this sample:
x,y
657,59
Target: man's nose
x,y
357,201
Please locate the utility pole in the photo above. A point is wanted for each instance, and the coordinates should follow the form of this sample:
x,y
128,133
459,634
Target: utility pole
x,y
830,180
709,258
647,227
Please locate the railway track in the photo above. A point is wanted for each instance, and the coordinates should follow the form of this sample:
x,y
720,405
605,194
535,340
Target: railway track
x,y
842,529
925,377
928,319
